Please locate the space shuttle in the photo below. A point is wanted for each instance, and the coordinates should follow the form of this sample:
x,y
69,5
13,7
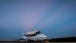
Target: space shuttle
x,y
33,33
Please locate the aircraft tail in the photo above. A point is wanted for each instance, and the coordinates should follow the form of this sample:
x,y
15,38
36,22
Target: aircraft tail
x,y
24,36
22,33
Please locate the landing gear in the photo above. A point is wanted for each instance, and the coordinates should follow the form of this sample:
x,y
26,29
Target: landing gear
x,y
45,41
29,41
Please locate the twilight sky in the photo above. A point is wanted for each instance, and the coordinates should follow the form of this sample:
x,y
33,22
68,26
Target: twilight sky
x,y
54,18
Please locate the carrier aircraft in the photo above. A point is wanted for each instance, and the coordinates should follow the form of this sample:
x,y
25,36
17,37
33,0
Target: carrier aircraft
x,y
32,35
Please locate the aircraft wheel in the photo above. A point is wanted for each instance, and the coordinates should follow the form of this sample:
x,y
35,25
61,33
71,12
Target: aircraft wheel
x,y
29,41
46,41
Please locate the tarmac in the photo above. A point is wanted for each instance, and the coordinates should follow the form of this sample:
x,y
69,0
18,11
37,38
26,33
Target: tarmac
x,y
37,42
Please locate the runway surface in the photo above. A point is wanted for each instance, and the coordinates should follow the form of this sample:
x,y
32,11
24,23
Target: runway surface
x,y
37,42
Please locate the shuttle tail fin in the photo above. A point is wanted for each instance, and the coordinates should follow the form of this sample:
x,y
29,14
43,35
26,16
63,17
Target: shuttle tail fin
x,y
28,30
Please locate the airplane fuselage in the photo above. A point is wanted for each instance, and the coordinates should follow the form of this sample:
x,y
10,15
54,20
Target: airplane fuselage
x,y
38,37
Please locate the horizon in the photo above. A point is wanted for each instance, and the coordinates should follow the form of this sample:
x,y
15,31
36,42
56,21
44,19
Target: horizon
x,y
51,38
54,18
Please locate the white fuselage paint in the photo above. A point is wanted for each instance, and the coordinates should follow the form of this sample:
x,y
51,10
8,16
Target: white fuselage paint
x,y
37,37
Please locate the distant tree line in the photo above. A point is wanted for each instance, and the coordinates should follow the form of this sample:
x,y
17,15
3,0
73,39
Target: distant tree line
x,y
63,39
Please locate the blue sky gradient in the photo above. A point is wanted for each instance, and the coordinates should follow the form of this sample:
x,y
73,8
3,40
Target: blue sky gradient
x,y
54,18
